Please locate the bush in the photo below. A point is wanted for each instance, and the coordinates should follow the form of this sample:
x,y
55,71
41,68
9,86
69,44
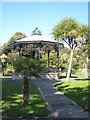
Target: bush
x,y
89,67
9,70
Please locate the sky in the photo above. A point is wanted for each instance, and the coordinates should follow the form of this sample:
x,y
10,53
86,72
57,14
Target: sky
x,y
26,16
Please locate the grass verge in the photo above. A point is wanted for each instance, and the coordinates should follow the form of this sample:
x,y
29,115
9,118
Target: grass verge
x,y
77,75
12,101
76,91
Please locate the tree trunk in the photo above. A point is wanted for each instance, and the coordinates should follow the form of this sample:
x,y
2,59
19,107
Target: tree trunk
x,y
25,91
70,65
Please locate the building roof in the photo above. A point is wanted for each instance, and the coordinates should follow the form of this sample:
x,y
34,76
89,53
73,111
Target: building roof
x,y
37,37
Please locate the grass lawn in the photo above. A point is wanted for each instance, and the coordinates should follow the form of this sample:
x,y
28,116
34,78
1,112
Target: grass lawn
x,y
12,101
76,75
76,91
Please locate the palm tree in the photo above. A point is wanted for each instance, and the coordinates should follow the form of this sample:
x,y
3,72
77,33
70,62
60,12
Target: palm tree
x,y
28,67
72,33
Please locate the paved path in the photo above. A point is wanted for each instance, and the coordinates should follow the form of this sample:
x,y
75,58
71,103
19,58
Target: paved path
x,y
60,105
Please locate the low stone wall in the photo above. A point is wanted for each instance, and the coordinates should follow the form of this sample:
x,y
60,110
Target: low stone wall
x,y
48,76
16,76
43,76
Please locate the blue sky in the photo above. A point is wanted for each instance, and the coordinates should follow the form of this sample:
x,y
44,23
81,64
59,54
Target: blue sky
x,y
26,16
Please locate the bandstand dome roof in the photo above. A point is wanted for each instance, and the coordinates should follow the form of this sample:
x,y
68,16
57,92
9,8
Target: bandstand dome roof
x,y
36,32
37,37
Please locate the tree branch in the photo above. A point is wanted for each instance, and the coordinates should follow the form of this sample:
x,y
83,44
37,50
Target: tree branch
x,y
67,43
76,45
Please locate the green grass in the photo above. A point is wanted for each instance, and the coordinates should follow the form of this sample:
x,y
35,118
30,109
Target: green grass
x,y
76,91
12,101
76,75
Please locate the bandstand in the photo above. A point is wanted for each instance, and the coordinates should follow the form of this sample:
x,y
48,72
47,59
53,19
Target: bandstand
x,y
38,39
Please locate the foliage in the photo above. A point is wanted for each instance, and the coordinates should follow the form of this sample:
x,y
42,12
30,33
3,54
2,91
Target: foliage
x,y
3,58
30,50
9,70
44,61
88,47
73,34
85,31
27,66
69,31
53,59
6,48
17,36
77,91
81,54
11,57
89,67
12,101
7,62
64,55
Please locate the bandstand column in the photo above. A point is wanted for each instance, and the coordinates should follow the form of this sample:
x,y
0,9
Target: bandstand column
x,y
58,56
58,61
55,57
39,51
48,59
20,52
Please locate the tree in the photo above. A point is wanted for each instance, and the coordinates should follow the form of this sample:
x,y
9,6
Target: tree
x,y
5,49
88,48
17,36
72,33
28,67
8,49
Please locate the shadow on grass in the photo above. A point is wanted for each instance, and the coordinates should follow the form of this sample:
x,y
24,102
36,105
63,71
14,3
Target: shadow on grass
x,y
79,95
84,79
55,84
12,101
66,76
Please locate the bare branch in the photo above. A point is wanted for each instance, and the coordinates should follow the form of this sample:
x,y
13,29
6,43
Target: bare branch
x,y
67,43
77,45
